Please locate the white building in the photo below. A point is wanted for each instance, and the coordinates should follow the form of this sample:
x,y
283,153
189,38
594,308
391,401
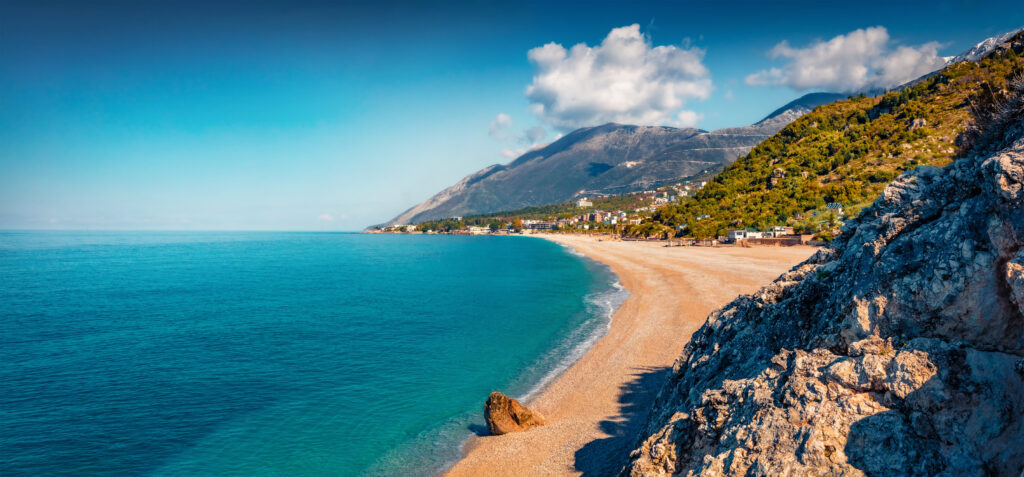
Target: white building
x,y
779,231
583,202
742,234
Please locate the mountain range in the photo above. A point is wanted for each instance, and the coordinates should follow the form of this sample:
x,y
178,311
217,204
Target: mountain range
x,y
607,159
615,159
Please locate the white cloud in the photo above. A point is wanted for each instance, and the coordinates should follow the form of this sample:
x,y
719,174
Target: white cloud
x,y
534,135
325,218
499,126
624,79
860,60
512,153
518,142
687,119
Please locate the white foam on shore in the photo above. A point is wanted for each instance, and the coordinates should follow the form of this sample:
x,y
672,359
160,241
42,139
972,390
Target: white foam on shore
x,y
602,307
571,250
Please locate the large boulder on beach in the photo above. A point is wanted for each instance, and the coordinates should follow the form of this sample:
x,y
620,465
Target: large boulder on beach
x,y
505,415
899,350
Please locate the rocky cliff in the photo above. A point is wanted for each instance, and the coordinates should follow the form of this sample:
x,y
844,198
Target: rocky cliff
x,y
607,159
897,351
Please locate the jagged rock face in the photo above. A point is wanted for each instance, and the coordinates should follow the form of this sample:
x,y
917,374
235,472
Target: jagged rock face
x,y
899,351
504,415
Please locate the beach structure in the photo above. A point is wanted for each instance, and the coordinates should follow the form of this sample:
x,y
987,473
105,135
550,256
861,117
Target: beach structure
x,y
539,224
744,234
779,231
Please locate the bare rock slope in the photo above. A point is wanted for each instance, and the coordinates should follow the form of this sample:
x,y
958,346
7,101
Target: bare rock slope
x,y
898,351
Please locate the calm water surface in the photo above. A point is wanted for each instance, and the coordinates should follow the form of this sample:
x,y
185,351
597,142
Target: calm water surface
x,y
275,353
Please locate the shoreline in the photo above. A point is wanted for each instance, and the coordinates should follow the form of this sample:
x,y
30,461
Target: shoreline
x,y
597,404
619,294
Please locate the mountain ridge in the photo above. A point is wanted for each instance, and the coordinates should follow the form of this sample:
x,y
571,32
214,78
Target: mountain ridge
x,y
471,196
606,159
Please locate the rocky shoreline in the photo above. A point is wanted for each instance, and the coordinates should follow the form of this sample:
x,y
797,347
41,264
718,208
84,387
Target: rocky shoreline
x,y
899,351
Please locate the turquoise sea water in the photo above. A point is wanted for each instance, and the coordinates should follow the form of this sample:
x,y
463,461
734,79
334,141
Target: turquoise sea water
x,y
275,353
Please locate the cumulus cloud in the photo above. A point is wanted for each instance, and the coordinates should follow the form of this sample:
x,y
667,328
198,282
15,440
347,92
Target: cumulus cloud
x,y
625,79
861,60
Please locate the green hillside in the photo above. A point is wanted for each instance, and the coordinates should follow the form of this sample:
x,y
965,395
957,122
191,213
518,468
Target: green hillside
x,y
497,220
846,151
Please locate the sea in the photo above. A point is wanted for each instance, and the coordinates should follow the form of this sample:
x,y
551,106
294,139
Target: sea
x,y
276,354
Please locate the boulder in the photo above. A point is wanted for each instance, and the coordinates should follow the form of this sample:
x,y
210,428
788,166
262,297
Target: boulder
x,y
505,415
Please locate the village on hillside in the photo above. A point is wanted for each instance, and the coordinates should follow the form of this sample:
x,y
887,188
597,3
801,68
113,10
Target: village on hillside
x,y
623,216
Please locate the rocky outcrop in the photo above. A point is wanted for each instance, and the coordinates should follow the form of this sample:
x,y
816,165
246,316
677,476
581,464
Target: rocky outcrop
x,y
985,47
504,415
898,351
777,175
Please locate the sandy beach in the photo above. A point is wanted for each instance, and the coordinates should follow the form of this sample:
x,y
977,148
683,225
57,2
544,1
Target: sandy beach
x,y
597,405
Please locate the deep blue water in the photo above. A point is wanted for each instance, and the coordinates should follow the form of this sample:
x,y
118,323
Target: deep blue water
x,y
266,353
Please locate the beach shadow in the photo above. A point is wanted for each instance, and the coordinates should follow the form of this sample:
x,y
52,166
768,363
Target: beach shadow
x,y
479,430
607,456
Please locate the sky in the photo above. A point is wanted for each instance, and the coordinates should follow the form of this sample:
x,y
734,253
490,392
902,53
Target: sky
x,y
335,116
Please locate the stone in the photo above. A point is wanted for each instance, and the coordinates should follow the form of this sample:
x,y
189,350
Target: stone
x,y
504,415
898,350
777,175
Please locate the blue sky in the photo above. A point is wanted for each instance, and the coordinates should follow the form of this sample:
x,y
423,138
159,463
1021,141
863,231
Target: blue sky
x,y
327,116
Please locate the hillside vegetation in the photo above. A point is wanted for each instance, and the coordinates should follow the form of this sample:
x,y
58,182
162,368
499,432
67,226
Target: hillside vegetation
x,y
846,151
498,220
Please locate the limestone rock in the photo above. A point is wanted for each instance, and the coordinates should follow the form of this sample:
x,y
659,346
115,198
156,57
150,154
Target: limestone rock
x,y
898,351
504,415
777,175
